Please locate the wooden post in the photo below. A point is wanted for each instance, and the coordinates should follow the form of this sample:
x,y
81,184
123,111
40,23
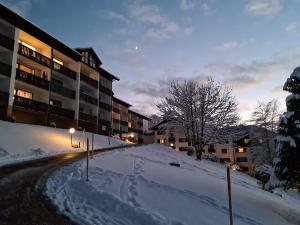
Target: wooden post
x,y
229,196
87,159
92,155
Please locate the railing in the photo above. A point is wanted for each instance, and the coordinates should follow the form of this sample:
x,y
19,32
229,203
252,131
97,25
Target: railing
x,y
105,106
6,42
86,117
105,122
124,123
4,98
32,79
30,104
35,56
64,70
116,110
62,112
88,98
88,80
105,90
5,69
59,89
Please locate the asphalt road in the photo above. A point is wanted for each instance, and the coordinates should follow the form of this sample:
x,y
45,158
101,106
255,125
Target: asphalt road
x,y
22,199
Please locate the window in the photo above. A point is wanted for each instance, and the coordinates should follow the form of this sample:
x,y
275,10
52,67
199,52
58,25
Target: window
x,y
55,103
28,45
26,69
56,81
242,159
158,141
241,150
129,124
58,61
22,93
244,168
103,127
211,149
182,140
224,150
162,141
224,160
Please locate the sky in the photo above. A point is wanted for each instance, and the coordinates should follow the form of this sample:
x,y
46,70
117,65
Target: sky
x,y
251,46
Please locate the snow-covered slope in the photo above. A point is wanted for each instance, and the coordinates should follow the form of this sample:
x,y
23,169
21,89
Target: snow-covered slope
x,y
139,187
20,142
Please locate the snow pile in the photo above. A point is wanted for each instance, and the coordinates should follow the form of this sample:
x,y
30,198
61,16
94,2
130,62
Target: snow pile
x,y
20,142
139,186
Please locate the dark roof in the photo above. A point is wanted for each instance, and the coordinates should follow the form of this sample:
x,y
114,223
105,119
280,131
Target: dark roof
x,y
139,115
121,101
23,24
107,75
92,52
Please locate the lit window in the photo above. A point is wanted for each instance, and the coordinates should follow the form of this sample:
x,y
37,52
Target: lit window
x,y
162,141
23,94
25,69
28,45
242,150
58,61
129,124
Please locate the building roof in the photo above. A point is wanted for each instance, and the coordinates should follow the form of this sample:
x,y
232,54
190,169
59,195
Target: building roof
x,y
107,75
121,101
23,24
92,52
139,115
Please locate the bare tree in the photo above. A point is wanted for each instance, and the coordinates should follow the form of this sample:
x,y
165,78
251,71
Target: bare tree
x,y
203,110
154,119
266,116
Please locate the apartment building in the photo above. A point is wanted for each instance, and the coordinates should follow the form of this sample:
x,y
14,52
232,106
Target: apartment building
x,y
43,81
120,116
137,125
241,150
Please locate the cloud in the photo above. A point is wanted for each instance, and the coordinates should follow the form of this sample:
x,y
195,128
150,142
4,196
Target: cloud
x,y
145,13
227,46
187,4
264,7
112,15
188,30
291,27
277,89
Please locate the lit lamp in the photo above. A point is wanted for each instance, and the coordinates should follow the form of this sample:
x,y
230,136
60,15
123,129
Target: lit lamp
x,y
72,131
171,144
132,135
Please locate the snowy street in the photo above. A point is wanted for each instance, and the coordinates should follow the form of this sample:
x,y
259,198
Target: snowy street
x,y
138,186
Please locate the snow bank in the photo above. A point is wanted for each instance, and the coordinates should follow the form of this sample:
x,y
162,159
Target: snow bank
x,y
139,186
20,142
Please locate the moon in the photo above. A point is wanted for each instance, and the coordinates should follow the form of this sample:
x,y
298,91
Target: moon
x,y
136,48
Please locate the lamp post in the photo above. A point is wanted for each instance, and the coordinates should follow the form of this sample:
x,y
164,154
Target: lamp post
x,y
72,131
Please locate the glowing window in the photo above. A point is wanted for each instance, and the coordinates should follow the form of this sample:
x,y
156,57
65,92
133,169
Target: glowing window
x,y
242,150
26,69
24,94
162,141
28,45
58,61
129,124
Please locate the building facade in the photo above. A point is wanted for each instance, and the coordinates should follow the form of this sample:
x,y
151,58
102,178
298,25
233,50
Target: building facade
x,y
45,82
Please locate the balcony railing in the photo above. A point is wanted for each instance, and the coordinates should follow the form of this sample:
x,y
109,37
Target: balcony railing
x,y
88,118
5,69
104,122
88,98
104,106
6,42
64,70
4,98
124,123
35,56
59,89
32,79
30,104
88,80
67,113
105,90
116,110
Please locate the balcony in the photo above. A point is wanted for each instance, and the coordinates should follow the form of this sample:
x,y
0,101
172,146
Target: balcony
x,y
62,112
105,106
88,118
124,123
30,104
105,90
33,55
59,89
88,80
32,79
6,42
88,98
5,69
116,110
64,70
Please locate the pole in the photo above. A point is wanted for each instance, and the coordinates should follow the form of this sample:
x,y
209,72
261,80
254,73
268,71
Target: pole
x,y
92,155
87,159
229,196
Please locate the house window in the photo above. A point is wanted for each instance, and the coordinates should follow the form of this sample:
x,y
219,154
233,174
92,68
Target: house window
x,y
162,141
129,124
241,150
26,69
58,61
242,159
158,141
55,103
23,94
224,150
244,168
28,45
182,140
211,149
103,127
56,81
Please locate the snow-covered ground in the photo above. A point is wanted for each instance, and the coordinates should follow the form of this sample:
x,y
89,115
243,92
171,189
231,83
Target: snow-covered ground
x,y
137,186
19,142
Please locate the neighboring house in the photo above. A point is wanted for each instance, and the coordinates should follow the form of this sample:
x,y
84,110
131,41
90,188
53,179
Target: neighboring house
x,y
244,149
45,82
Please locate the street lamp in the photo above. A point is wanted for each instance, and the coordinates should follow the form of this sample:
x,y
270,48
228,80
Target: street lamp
x,y
72,131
